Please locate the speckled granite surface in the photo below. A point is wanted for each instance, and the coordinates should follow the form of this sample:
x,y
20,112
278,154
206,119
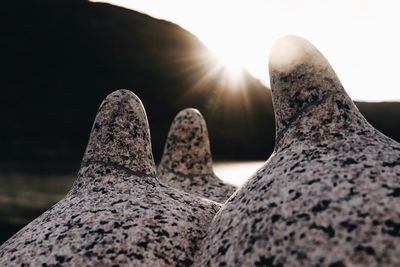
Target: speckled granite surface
x,y
117,213
187,163
330,193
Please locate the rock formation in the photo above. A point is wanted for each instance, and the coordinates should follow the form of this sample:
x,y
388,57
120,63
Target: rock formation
x,y
329,195
117,213
187,163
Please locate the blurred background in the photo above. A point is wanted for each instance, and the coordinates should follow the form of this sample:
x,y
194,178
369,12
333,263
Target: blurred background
x,y
60,58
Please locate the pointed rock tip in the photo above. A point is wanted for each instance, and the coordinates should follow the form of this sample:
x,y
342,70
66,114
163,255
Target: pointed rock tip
x,y
191,114
120,134
187,149
303,80
189,111
291,51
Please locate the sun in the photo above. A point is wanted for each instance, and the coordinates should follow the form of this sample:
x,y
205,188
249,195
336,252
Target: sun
x,y
232,68
231,57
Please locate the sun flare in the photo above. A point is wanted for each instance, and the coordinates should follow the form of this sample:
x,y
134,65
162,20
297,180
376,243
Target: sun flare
x,y
241,34
232,69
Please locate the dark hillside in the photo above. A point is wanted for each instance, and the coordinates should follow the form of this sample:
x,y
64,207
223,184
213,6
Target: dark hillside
x,y
60,58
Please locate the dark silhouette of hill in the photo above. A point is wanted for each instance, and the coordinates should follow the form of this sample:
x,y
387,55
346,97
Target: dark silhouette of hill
x,y
59,59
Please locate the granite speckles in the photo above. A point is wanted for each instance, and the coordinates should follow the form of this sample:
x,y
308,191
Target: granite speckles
x,y
328,195
120,134
117,213
186,163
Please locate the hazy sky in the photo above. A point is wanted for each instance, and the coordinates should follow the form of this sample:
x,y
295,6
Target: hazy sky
x,y
360,38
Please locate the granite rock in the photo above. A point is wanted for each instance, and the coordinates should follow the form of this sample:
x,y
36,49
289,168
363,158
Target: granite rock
x,y
186,163
329,195
117,213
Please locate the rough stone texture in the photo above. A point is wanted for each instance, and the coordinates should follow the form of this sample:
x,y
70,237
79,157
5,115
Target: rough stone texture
x,y
187,164
329,195
117,213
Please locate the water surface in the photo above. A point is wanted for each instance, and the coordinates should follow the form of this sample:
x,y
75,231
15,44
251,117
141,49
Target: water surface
x,y
238,172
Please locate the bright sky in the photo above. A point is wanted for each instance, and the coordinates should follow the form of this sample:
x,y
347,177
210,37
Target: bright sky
x,y
360,38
